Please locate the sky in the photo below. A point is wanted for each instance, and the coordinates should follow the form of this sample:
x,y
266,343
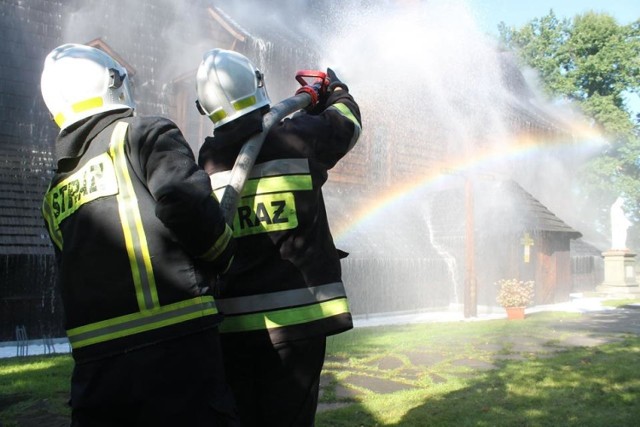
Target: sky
x,y
518,12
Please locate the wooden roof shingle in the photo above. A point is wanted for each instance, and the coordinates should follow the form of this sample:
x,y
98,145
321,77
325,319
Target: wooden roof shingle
x,y
24,175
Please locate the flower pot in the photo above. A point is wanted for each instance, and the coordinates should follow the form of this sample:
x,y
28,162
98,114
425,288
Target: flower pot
x,y
515,313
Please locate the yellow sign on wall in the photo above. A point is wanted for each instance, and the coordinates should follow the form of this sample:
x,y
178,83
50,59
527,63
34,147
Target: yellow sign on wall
x,y
527,242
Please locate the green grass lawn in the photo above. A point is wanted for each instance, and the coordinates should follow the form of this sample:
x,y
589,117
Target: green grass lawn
x,y
35,388
493,373
483,373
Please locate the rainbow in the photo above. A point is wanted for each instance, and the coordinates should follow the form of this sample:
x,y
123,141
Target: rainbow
x,y
481,160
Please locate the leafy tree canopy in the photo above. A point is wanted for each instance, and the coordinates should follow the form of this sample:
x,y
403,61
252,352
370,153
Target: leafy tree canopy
x,y
592,61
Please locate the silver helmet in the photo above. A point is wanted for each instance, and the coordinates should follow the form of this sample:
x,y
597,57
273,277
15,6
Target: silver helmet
x,y
79,81
228,86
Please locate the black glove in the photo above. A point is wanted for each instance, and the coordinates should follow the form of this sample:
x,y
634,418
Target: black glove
x,y
323,95
334,81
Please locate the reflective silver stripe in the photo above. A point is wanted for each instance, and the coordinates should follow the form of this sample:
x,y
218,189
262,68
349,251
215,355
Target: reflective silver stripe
x,y
271,168
143,321
282,299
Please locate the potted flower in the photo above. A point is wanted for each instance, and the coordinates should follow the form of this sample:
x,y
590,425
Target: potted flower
x,y
514,295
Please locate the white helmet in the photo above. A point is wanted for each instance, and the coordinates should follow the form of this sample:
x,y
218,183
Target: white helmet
x,y
79,81
228,86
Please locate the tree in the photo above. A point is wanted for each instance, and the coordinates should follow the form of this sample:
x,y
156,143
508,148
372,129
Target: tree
x,y
592,62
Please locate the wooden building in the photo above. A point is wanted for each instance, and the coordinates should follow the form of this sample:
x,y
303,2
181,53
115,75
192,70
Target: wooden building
x,y
522,239
161,43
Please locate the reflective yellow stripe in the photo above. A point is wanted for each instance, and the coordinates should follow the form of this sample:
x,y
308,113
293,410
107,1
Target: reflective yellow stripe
x,y
218,115
92,181
219,246
268,204
265,214
79,107
135,238
286,317
244,103
271,301
142,321
87,104
345,111
277,184
59,119
280,167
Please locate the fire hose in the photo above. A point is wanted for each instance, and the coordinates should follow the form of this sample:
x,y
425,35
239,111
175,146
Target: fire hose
x,y
306,96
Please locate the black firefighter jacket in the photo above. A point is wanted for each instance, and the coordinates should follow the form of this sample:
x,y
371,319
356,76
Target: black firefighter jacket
x,y
137,232
285,283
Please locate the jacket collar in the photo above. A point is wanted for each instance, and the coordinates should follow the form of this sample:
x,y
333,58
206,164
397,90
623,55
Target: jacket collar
x,y
72,142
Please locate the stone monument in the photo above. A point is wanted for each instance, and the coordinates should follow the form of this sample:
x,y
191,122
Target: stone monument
x,y
619,261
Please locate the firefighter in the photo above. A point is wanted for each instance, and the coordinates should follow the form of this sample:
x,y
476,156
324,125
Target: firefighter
x,y
284,293
138,237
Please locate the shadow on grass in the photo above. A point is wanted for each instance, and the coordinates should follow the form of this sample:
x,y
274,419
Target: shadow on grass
x,y
34,391
580,387
545,371
582,372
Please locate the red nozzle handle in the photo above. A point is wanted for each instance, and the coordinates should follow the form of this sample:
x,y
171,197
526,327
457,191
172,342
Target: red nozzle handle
x,y
316,88
317,76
